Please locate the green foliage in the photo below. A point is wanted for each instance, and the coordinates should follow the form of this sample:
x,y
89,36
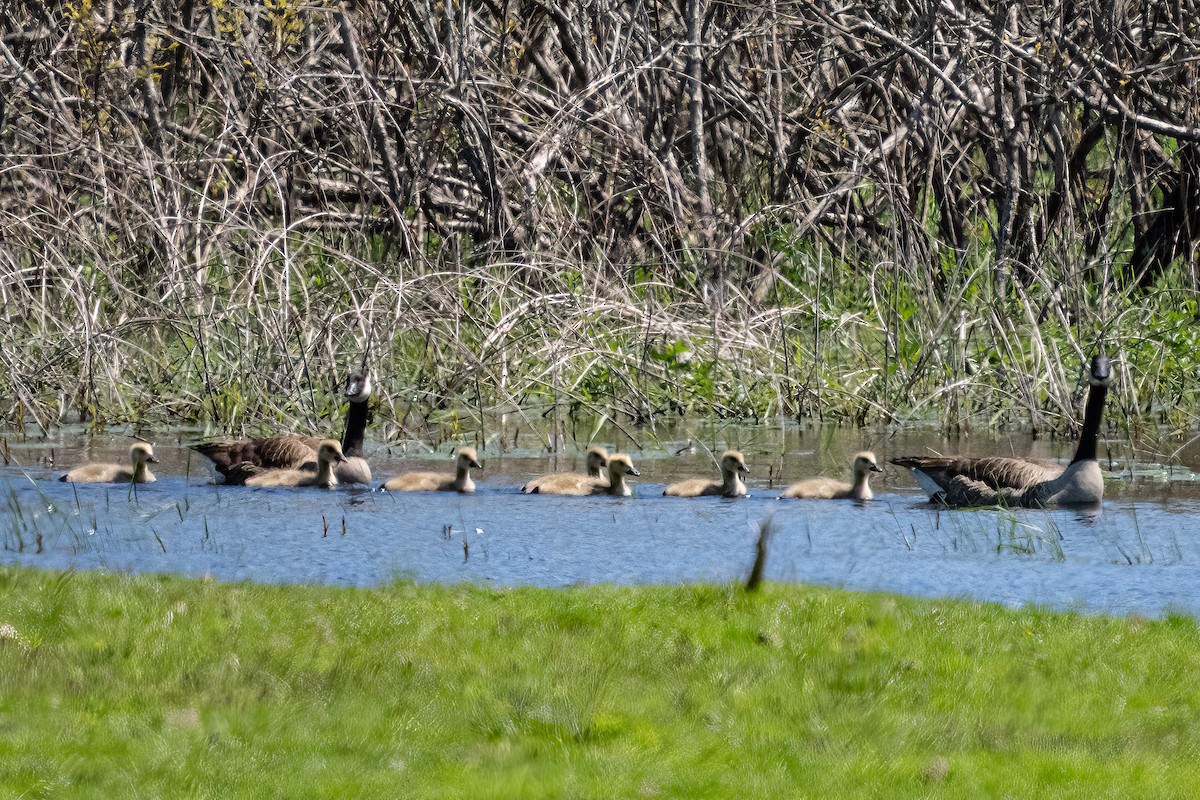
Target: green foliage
x,y
141,685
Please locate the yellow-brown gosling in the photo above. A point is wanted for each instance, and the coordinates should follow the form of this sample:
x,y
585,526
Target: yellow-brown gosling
x,y
1000,481
572,482
731,485
460,481
619,465
236,460
329,454
140,454
831,489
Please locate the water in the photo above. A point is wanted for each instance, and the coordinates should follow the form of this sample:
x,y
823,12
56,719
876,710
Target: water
x,y
1137,553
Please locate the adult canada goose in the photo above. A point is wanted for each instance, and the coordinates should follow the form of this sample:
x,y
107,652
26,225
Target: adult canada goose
x,y
140,454
355,468
619,465
828,488
329,454
731,484
572,482
237,460
967,482
460,481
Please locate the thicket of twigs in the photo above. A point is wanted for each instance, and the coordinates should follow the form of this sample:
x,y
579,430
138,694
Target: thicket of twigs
x,y
209,208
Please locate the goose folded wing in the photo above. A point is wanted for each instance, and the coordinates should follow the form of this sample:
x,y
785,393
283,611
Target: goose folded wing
x,y
993,472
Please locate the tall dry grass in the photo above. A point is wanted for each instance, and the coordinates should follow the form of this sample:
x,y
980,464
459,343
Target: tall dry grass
x,y
209,211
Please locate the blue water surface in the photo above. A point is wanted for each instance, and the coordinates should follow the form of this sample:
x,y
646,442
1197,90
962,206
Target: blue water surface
x,y
1139,552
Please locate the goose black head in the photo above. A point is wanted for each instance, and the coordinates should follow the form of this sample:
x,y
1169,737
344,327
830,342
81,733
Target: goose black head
x,y
1101,373
358,385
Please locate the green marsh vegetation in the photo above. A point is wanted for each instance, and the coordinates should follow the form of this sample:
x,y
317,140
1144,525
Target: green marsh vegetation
x,y
114,684
209,209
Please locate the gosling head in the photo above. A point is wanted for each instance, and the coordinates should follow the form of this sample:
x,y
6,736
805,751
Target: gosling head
x,y
733,461
621,464
358,385
142,453
330,451
1101,374
597,457
864,462
467,458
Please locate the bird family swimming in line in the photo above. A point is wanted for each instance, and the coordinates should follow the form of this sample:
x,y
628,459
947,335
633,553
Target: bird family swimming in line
x,y
1020,482
291,460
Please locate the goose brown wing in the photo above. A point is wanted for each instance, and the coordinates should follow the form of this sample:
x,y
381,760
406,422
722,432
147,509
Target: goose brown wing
x,y
287,452
1011,473
992,472
277,452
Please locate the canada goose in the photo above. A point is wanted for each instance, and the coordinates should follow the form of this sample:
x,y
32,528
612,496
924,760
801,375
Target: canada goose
x,y
237,460
572,482
329,453
828,488
460,481
355,468
967,482
619,465
140,454
731,484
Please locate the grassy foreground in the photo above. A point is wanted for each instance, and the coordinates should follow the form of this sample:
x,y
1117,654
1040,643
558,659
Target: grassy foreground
x,y
118,686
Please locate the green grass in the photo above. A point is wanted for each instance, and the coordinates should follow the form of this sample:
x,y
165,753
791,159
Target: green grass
x,y
118,686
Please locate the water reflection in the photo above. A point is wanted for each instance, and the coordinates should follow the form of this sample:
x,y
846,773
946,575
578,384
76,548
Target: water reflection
x,y
1136,553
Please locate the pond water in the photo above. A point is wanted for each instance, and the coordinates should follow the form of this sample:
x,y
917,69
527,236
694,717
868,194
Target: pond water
x,y
1137,553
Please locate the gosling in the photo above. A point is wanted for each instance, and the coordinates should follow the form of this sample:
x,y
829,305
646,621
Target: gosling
x,y
329,453
460,481
140,455
619,465
830,489
572,482
731,485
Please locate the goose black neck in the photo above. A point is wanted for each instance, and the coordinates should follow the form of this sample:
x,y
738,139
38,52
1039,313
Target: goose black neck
x,y
1086,451
356,427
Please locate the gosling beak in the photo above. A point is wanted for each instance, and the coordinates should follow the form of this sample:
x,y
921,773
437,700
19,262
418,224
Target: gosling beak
x,y
476,464
743,468
875,468
151,460
632,471
339,458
